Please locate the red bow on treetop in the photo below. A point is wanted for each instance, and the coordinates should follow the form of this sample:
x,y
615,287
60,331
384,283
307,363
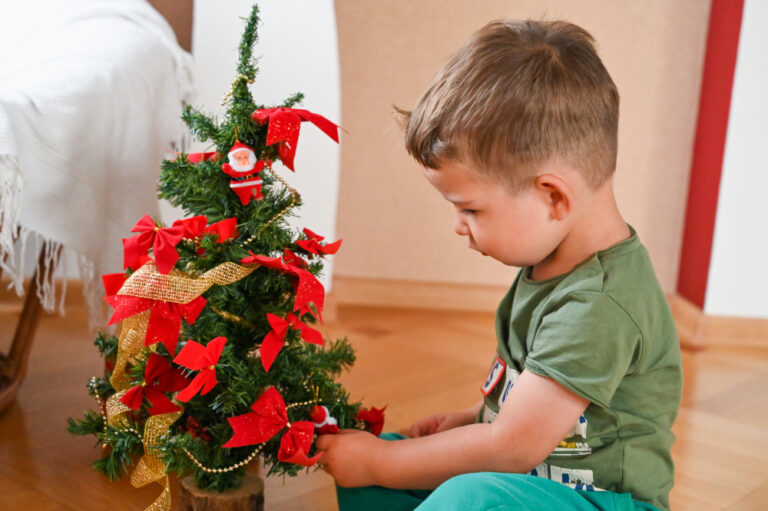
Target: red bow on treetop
x,y
274,340
308,288
201,358
313,244
284,126
162,240
269,416
164,317
159,377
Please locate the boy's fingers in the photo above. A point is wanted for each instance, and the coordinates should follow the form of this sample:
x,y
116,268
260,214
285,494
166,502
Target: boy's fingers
x,y
323,442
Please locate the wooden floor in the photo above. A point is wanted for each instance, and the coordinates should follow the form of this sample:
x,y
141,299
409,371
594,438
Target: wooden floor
x,y
416,363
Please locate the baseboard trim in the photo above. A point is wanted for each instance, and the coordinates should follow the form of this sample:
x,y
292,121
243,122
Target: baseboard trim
x,y
9,300
416,294
695,329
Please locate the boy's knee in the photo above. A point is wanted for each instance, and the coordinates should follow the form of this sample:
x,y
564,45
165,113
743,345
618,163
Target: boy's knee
x,y
472,491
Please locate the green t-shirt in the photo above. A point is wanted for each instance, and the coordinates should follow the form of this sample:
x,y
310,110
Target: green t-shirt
x,y
604,331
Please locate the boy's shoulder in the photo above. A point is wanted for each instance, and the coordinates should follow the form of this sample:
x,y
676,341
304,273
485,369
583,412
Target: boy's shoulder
x,y
622,274
614,294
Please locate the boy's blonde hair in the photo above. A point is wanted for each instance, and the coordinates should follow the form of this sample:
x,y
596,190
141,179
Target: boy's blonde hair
x,y
519,93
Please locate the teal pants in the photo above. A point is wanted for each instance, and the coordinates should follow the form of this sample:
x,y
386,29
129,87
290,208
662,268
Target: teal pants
x,y
486,491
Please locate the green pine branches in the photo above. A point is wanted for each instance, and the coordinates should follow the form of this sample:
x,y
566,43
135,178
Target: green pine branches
x,y
302,373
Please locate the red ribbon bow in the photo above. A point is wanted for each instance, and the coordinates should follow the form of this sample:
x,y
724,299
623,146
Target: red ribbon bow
x,y
197,226
313,244
284,126
274,340
162,240
373,419
159,377
292,259
268,417
164,317
201,358
308,289
200,157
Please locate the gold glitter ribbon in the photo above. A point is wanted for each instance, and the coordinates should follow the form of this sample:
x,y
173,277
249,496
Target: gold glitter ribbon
x,y
151,467
129,345
175,287
147,282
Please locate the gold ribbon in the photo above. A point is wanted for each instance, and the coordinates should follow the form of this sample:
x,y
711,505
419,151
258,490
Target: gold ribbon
x,y
151,467
116,410
175,287
129,345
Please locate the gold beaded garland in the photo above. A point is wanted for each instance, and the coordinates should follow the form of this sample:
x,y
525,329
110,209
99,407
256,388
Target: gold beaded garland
x,y
234,84
130,429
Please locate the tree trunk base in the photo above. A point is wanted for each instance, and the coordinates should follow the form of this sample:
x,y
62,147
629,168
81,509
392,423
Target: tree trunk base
x,y
249,497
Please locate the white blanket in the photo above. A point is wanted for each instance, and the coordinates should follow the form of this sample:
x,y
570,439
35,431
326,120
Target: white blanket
x,y
90,97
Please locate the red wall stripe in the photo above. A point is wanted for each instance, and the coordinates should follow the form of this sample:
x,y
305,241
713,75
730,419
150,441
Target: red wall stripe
x,y
708,149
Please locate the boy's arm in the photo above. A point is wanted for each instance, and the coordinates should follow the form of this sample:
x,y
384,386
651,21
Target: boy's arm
x,y
536,416
443,421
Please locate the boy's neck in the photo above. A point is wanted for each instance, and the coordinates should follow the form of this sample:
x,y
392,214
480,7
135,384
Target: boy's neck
x,y
598,226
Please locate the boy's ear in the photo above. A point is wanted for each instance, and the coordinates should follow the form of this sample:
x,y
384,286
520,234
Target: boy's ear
x,y
557,193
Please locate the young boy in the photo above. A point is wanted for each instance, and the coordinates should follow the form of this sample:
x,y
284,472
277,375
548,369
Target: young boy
x,y
518,131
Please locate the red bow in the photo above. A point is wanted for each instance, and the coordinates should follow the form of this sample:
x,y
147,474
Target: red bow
x,y
195,227
159,377
373,419
284,126
292,259
308,289
313,246
113,282
164,317
199,157
268,417
162,240
274,340
201,358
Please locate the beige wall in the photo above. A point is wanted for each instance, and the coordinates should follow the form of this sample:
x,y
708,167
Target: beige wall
x,y
395,227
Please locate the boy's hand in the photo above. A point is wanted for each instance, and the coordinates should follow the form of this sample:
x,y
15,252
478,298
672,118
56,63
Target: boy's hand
x,y
351,457
437,423
443,421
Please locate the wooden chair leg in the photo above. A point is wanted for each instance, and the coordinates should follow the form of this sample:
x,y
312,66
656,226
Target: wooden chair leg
x,y
13,367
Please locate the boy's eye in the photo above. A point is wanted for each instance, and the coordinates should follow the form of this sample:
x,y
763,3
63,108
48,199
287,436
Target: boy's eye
x,y
469,211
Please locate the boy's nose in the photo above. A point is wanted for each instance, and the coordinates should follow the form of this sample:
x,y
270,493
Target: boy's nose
x,y
461,227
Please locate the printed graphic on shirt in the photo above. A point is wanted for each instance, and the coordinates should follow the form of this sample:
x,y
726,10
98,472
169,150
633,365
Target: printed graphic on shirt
x,y
575,442
494,376
571,477
488,415
510,377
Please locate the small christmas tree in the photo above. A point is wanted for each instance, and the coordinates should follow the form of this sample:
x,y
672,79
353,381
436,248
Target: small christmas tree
x,y
216,360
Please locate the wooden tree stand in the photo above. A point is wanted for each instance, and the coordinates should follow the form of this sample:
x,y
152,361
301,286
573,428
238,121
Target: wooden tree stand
x,y
249,497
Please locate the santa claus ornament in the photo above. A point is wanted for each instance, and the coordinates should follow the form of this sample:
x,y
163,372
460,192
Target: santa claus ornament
x,y
243,168
324,423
